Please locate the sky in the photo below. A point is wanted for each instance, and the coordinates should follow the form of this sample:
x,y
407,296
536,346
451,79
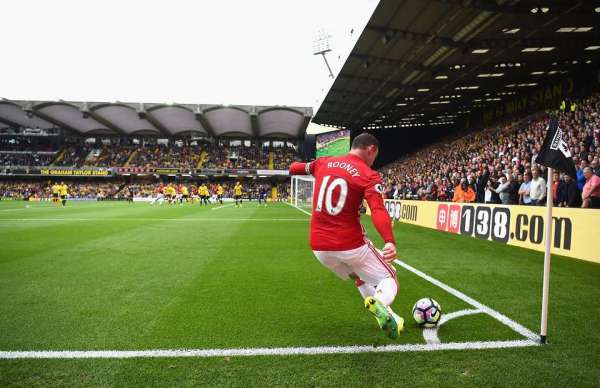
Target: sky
x,y
255,52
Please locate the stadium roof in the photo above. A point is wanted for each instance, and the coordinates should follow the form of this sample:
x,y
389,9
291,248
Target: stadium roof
x,y
425,62
104,118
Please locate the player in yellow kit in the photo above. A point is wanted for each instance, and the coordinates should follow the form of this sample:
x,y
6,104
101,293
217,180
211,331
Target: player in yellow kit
x,y
203,192
55,194
220,193
63,193
185,194
170,193
237,194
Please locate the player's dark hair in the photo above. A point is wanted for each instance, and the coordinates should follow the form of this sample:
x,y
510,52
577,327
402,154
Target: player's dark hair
x,y
364,140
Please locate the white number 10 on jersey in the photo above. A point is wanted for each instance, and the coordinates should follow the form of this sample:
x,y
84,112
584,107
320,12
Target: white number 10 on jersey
x,y
327,192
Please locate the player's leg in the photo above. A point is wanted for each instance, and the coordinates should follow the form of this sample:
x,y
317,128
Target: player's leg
x,y
366,290
370,267
330,260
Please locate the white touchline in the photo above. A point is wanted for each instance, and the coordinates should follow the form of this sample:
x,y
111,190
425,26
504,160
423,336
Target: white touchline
x,y
156,219
295,207
66,354
430,335
532,338
480,306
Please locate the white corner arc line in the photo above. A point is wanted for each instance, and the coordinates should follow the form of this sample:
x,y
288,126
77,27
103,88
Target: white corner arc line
x,y
430,335
480,306
289,351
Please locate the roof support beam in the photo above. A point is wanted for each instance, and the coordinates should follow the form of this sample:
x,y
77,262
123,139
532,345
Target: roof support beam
x,y
201,117
254,122
389,34
520,8
29,109
85,110
12,124
304,124
372,60
143,114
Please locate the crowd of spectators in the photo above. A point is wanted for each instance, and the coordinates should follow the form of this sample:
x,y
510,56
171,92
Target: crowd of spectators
x,y
284,156
255,156
74,156
8,159
498,165
171,155
23,152
161,155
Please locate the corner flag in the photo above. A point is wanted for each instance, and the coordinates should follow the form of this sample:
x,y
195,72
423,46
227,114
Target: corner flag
x,y
555,152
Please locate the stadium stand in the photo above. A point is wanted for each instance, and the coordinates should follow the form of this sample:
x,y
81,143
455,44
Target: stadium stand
x,y
482,160
172,155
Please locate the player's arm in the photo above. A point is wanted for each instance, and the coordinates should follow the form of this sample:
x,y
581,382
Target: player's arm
x,y
300,168
380,217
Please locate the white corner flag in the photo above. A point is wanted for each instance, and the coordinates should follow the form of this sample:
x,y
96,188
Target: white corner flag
x,y
554,155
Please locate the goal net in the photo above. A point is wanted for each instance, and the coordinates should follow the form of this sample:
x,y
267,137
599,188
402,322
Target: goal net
x,y
302,191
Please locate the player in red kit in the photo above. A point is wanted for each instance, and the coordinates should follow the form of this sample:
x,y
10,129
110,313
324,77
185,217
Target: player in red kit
x,y
338,239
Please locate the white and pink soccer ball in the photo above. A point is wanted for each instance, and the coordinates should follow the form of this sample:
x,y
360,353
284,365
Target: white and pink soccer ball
x,y
427,312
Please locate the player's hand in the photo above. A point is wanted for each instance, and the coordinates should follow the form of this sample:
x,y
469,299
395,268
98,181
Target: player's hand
x,y
389,252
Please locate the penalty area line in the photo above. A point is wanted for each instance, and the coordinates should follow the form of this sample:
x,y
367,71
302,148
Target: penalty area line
x,y
245,352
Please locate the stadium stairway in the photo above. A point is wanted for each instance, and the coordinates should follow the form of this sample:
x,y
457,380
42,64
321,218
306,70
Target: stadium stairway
x,y
58,158
202,159
271,160
130,158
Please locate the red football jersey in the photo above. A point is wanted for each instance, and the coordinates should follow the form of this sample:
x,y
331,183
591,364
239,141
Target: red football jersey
x,y
341,184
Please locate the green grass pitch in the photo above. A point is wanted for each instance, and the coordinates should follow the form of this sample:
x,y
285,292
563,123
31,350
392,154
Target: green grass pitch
x,y
337,147
119,276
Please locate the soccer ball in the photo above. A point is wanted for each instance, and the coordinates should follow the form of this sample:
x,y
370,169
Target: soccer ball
x,y
427,312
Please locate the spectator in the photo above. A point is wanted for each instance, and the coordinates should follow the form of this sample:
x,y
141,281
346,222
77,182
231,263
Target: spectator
x,y
503,190
515,184
595,165
556,183
580,176
537,189
463,193
568,194
524,190
591,190
481,184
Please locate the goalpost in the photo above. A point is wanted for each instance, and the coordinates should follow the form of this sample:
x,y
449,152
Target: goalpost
x,y
302,187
